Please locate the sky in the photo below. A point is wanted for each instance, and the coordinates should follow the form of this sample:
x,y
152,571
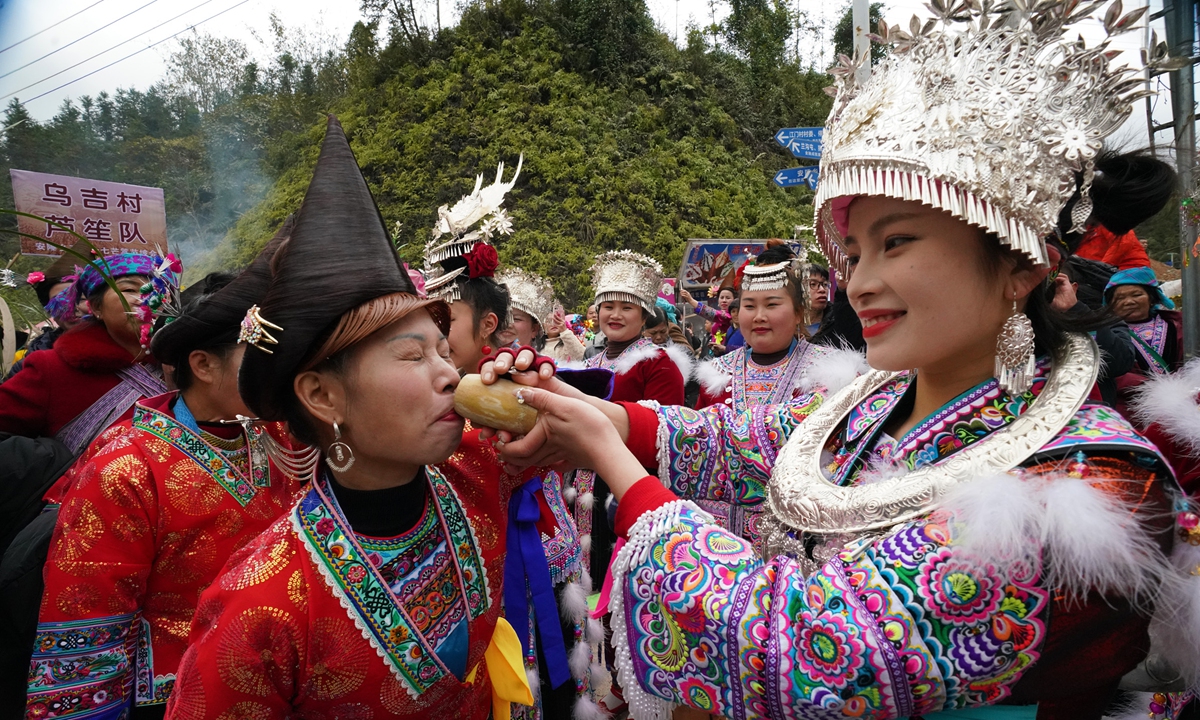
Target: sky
x,y
76,40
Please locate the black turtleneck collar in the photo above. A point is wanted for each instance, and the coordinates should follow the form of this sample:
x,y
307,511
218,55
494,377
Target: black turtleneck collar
x,y
614,349
382,513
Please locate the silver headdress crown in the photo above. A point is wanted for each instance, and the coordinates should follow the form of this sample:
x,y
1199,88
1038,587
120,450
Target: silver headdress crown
x,y
626,276
765,277
986,111
529,293
482,204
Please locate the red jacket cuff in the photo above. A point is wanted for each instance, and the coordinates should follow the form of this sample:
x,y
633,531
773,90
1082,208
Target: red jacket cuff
x,y
643,434
646,494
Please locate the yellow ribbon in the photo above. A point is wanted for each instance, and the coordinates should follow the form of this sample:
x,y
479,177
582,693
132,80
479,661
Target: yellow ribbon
x,y
506,669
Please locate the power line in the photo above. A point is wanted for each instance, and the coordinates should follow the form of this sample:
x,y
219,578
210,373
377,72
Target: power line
x,y
60,22
114,62
104,52
64,47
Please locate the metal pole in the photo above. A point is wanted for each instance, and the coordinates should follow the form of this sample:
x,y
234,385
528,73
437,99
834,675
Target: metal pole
x,y
861,15
1181,35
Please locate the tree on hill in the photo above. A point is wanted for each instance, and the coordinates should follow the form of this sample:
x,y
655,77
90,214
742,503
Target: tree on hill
x,y
628,140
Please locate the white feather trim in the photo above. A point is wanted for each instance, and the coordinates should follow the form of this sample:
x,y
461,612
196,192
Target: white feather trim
x,y
1089,540
587,709
1094,542
585,543
571,365
608,501
535,681
996,518
585,580
711,377
1137,707
580,660
572,604
586,500
683,359
1170,401
569,493
1175,628
595,631
832,369
597,675
633,356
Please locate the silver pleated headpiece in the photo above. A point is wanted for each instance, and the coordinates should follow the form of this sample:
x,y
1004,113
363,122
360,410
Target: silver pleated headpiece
x,y
987,111
529,293
626,276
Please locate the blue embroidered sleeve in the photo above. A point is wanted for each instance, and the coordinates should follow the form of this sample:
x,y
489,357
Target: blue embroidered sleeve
x,y
899,627
717,454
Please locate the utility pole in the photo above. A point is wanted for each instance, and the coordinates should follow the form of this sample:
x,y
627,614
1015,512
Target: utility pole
x,y
1180,17
861,15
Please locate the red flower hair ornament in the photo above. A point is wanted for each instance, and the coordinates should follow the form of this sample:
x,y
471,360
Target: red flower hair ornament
x,y
482,261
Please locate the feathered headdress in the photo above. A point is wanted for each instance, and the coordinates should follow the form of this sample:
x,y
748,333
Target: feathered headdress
x,y
468,253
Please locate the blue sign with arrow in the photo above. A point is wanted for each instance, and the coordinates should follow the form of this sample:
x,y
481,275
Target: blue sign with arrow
x,y
791,177
802,142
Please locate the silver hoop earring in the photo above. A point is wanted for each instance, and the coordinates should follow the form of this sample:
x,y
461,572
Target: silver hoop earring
x,y
1015,362
340,450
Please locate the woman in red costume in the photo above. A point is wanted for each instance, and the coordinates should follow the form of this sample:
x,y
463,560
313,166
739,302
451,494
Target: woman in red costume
x,y
379,593
151,518
95,372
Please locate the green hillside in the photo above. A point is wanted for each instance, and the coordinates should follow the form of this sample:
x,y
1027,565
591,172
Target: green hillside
x,y
629,142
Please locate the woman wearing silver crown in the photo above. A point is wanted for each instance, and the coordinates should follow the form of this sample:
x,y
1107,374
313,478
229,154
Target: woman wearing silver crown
x,y
778,367
970,533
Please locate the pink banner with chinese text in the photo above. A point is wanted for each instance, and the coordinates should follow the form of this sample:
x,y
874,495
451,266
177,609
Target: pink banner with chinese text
x,y
115,217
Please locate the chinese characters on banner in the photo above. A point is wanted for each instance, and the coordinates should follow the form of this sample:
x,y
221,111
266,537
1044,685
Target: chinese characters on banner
x,y
115,217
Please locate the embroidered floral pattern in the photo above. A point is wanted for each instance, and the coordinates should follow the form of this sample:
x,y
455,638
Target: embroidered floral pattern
x,y
225,473
79,668
368,599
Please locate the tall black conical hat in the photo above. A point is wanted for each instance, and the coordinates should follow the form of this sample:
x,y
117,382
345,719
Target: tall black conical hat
x,y
339,257
217,318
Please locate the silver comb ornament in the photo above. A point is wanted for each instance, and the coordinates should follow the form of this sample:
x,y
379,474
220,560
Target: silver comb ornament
x,y
987,111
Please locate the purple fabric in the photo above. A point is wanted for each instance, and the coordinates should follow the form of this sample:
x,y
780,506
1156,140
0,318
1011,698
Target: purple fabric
x,y
137,382
117,266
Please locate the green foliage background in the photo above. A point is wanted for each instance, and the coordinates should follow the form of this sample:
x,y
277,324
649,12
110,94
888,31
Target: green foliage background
x,y
629,141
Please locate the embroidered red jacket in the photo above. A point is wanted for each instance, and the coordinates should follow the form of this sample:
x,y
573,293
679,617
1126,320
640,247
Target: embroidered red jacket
x,y
296,626
146,527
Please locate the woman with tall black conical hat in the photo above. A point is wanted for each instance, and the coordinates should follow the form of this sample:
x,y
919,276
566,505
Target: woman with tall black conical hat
x,y
972,532
379,593
151,516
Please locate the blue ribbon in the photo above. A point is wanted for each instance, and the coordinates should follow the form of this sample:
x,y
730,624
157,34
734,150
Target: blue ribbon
x,y
526,563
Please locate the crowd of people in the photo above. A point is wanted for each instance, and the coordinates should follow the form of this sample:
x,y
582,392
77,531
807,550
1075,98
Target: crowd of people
x,y
946,474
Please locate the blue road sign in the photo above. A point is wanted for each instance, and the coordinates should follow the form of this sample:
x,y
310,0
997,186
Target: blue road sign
x,y
791,177
802,142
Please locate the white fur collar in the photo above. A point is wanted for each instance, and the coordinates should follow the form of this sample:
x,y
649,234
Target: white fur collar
x,y
645,349
713,375
1170,401
828,369
831,369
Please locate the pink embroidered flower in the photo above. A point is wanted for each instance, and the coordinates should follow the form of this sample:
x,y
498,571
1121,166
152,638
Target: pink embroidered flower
x,y
356,573
956,592
324,526
830,651
35,278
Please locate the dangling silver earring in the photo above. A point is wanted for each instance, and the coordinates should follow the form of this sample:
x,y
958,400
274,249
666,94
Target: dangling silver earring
x,y
1015,362
339,450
